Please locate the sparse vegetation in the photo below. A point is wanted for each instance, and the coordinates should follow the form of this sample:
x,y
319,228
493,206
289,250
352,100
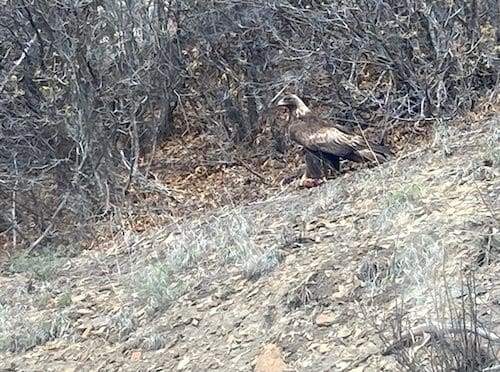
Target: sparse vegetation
x,y
64,300
385,245
158,286
44,266
154,341
456,341
408,194
43,299
79,137
258,263
149,217
232,239
123,324
18,334
493,149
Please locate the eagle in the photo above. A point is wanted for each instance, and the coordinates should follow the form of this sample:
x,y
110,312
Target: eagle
x,y
324,143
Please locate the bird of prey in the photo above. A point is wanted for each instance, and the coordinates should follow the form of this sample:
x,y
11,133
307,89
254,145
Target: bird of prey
x,y
325,144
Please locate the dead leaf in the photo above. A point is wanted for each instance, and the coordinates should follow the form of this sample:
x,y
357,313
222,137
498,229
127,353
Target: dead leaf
x,y
324,348
84,311
79,298
87,331
183,363
135,355
100,331
324,320
343,332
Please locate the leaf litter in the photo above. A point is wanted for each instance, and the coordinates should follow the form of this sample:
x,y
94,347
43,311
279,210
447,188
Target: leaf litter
x,y
239,278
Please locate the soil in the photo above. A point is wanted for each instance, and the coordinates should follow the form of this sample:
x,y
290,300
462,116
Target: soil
x,y
344,266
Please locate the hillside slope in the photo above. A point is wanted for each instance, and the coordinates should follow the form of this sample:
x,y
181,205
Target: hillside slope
x,y
319,273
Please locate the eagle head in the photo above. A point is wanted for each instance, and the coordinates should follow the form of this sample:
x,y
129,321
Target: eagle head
x,y
295,105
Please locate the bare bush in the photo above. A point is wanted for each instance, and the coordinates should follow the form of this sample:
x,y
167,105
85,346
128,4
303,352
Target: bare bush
x,y
87,88
90,85
369,61
457,342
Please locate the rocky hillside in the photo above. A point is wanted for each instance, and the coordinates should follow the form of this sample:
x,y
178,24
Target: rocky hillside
x,y
327,279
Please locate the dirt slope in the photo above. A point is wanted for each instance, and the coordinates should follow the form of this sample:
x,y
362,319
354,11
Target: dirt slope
x,y
210,293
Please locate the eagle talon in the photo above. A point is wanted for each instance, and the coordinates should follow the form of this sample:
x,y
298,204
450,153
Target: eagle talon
x,y
309,183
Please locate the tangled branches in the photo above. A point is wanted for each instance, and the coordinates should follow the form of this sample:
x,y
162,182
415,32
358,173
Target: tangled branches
x,y
87,88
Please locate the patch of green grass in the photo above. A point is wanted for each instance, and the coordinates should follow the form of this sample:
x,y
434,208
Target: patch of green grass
x,y
492,148
409,194
44,266
154,341
43,299
64,300
122,325
158,286
18,334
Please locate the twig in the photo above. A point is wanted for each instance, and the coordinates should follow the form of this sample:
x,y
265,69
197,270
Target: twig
x,y
492,369
281,91
14,206
17,63
51,224
487,205
438,329
247,167
368,145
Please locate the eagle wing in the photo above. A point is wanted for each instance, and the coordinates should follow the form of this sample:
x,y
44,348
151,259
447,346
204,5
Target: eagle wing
x,y
328,139
334,141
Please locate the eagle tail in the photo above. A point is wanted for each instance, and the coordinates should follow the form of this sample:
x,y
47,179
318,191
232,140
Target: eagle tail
x,y
381,149
381,152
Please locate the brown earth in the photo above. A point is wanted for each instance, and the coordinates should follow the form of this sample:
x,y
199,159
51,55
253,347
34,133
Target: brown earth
x,y
310,279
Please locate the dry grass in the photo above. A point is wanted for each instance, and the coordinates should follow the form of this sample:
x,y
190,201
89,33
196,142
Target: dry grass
x,y
403,231
20,333
43,266
157,284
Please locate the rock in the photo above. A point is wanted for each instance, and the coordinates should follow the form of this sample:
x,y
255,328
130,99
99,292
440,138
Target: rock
x,y
343,332
270,359
183,363
324,320
135,355
323,348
